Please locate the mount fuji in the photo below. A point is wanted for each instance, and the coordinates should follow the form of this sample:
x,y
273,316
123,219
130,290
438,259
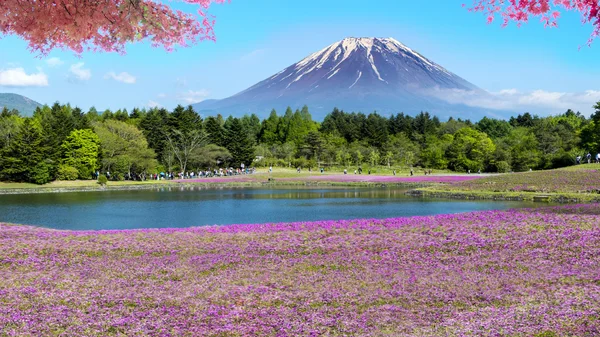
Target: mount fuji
x,y
355,74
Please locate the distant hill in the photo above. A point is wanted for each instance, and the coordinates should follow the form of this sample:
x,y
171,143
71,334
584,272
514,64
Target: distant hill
x,y
25,105
355,74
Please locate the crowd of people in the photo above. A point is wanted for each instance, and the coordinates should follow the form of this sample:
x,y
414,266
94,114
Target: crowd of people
x,y
220,172
588,158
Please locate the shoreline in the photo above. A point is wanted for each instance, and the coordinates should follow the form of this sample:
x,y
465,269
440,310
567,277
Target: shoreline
x,y
259,180
563,198
416,189
204,185
432,186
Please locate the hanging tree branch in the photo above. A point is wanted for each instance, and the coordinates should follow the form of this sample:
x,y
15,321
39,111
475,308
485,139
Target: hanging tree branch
x,y
103,25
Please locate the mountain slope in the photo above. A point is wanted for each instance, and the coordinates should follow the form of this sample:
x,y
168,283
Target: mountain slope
x,y
25,105
355,74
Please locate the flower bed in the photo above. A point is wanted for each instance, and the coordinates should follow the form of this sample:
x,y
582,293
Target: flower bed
x,y
552,181
219,180
383,179
497,273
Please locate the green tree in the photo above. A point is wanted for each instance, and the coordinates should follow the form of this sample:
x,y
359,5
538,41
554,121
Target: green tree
x,y
124,149
494,128
24,160
252,126
313,146
185,119
239,144
154,125
9,127
374,157
470,150
300,125
433,154
57,123
184,145
211,156
283,127
523,147
375,130
215,131
81,150
590,134
404,150
268,131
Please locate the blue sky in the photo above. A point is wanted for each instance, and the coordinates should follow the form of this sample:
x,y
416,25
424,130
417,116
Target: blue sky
x,y
529,68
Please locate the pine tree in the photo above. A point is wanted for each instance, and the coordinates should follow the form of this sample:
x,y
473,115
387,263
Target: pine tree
x,y
283,127
239,144
268,131
154,126
24,160
215,131
57,123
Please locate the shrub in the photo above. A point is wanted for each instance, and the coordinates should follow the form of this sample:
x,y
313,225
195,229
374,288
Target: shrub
x,y
66,172
40,174
502,166
300,162
102,180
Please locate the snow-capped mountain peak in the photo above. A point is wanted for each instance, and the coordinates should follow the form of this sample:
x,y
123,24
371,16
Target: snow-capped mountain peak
x,y
355,68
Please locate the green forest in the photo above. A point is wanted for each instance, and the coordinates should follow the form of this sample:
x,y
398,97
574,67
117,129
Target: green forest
x,y
65,143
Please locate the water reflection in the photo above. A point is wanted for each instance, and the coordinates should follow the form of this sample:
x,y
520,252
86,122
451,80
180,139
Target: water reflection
x,y
185,206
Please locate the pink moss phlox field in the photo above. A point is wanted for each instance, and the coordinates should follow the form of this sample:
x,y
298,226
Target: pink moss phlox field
x,y
338,178
555,181
384,179
218,180
495,273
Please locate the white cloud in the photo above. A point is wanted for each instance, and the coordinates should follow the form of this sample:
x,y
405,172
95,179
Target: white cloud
x,y
181,82
121,77
538,101
162,95
253,55
54,62
192,96
79,72
153,104
17,77
508,92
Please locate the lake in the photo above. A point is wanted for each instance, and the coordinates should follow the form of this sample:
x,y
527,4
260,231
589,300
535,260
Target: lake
x,y
197,206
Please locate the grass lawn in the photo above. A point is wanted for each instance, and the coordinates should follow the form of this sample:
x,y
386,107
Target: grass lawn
x,y
74,184
496,273
279,175
581,182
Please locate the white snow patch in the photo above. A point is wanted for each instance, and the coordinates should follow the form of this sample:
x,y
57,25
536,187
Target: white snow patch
x,y
375,68
359,75
292,73
335,72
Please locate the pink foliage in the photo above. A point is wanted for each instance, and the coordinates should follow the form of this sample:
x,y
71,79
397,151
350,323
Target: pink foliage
x,y
103,25
519,11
